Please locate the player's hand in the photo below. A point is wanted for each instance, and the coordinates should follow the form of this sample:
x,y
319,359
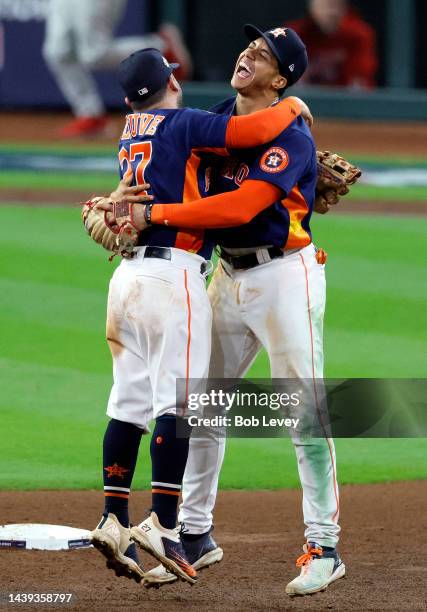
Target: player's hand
x,y
104,204
124,191
111,221
107,205
138,217
305,111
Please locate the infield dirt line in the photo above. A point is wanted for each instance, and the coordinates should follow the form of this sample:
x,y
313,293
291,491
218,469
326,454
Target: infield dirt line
x,y
261,533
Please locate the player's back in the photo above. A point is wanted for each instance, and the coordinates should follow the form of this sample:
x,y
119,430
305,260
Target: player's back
x,y
158,147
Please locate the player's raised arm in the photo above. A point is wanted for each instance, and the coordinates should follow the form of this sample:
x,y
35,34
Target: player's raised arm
x,y
210,131
259,128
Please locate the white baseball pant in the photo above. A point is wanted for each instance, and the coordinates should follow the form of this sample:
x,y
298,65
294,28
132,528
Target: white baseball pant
x,y
79,38
279,305
159,330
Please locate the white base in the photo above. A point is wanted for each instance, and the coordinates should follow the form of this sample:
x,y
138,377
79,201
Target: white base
x,y
37,536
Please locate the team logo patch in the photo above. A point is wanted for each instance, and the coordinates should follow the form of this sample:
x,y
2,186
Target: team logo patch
x,y
278,32
115,470
275,159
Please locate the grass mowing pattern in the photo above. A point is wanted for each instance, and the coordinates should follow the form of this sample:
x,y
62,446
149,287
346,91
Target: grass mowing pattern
x,y
108,148
101,182
56,369
91,182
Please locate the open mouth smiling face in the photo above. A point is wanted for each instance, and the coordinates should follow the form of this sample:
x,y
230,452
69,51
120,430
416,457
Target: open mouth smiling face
x,y
245,69
254,61
244,72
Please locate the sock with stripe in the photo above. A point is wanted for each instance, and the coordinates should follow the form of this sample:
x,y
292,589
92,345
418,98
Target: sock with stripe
x,y
168,459
121,445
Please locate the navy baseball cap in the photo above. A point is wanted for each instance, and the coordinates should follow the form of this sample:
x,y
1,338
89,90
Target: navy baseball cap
x,y
286,46
144,73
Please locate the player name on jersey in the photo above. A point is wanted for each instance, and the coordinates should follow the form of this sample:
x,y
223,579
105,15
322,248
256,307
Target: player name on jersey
x,y
141,124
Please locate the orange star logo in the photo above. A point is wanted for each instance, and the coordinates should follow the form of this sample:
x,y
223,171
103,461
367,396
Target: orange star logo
x,y
278,32
115,470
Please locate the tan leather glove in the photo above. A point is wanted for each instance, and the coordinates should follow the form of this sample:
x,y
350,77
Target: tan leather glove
x,y
334,176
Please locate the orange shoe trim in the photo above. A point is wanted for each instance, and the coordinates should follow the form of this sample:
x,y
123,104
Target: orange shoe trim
x,y
307,557
184,565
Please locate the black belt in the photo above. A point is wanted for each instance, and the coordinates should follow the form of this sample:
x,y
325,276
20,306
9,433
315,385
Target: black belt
x,y
243,262
166,253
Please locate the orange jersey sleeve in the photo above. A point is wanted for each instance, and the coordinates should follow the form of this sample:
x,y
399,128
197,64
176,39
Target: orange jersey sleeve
x,y
246,131
224,210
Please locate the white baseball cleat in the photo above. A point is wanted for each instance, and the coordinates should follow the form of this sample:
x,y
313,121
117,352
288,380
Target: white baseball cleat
x,y
113,541
319,567
202,552
166,546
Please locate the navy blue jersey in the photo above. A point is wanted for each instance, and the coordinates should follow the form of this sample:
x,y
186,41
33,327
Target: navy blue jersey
x,y
159,148
289,162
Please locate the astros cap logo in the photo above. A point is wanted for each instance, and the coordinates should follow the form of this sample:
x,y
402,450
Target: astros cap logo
x,y
275,159
278,32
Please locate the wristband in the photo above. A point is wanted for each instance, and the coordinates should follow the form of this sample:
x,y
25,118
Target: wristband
x,y
147,213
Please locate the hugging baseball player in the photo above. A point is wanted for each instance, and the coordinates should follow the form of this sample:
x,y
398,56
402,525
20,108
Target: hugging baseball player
x,y
159,315
269,289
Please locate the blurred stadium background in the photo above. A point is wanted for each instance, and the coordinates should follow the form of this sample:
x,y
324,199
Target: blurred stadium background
x,y
55,366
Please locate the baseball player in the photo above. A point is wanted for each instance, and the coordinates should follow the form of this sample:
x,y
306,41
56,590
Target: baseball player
x,y
79,38
268,290
159,315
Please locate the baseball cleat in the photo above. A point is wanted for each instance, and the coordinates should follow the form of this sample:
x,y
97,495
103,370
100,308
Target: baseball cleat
x,y
165,545
113,541
319,567
201,553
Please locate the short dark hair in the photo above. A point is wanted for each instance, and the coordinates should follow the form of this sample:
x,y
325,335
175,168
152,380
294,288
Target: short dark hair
x,y
138,105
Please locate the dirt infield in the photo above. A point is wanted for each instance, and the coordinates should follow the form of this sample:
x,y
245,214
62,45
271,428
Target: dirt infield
x,y
358,137
382,545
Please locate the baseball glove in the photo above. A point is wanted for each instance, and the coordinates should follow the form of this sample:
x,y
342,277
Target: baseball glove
x,y
97,226
334,175
127,234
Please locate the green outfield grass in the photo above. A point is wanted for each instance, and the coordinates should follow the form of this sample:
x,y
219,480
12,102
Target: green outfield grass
x,y
107,149
102,182
371,193
55,365
91,182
